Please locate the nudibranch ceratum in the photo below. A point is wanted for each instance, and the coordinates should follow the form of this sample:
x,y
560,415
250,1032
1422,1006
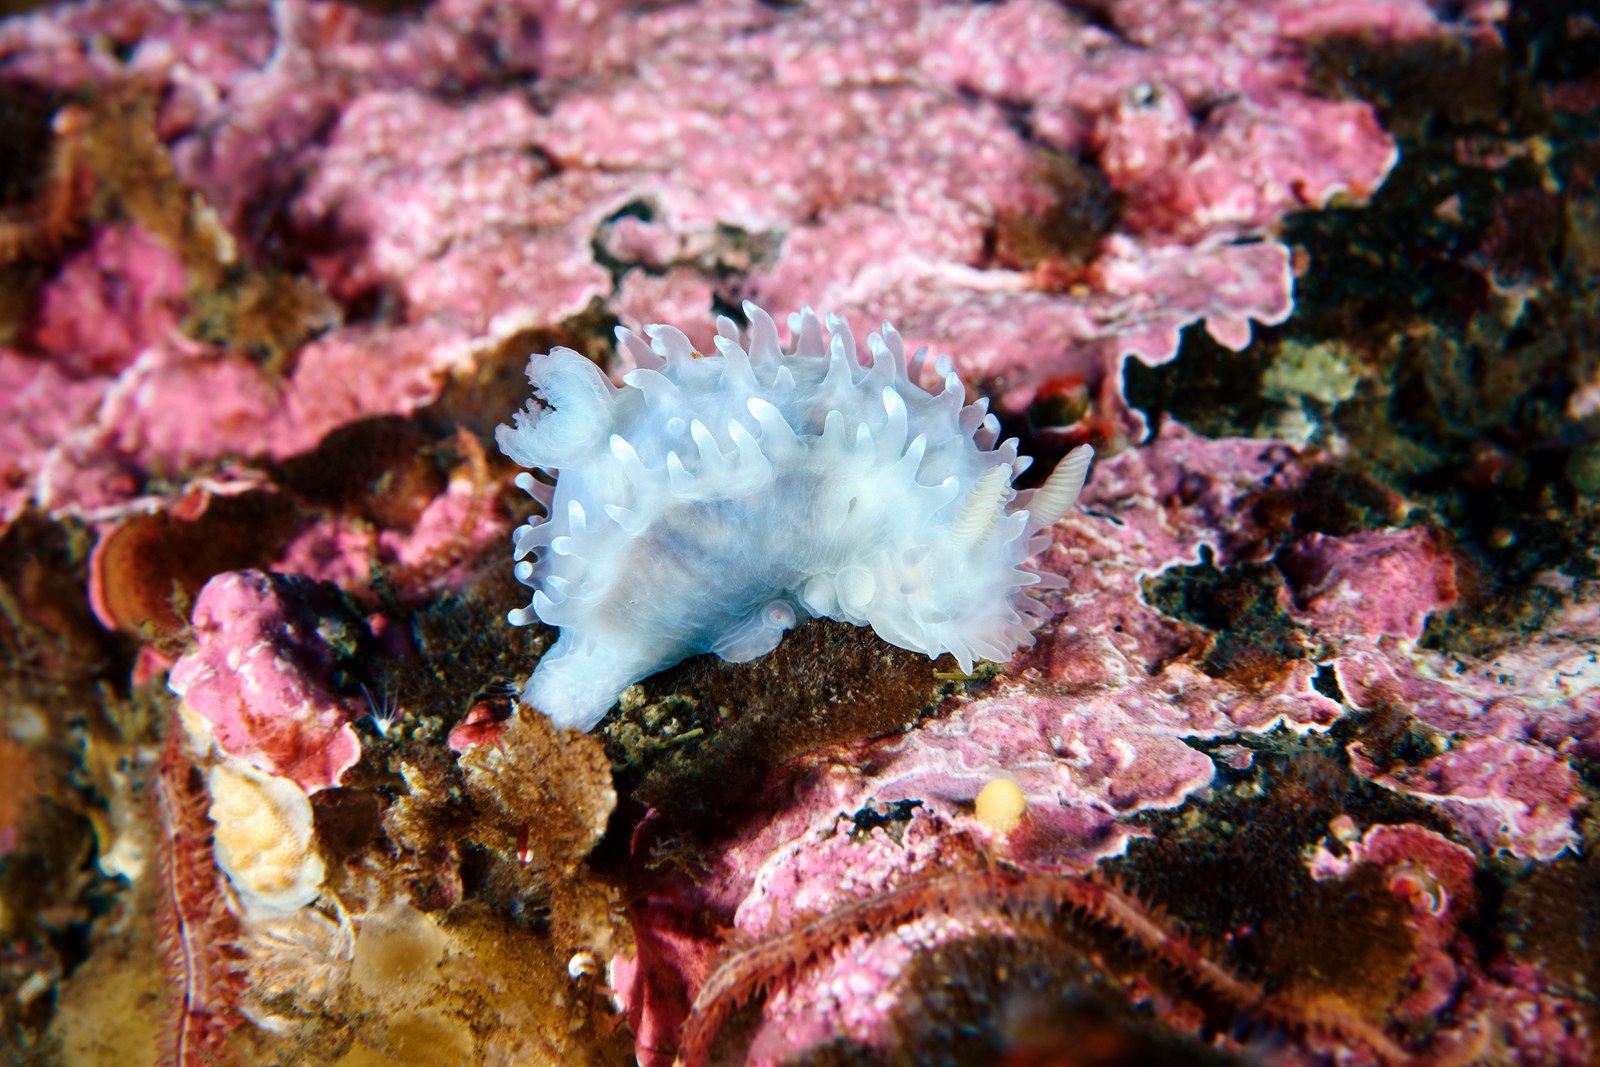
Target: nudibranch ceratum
x,y
714,501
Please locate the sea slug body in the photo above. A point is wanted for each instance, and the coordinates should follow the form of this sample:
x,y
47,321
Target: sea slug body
x,y
715,501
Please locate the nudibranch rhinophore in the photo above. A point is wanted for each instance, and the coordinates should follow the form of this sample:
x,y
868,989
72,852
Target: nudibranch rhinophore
x,y
715,501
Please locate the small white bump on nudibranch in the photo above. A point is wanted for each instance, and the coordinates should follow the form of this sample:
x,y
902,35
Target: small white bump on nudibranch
x,y
855,587
632,522
819,596
632,466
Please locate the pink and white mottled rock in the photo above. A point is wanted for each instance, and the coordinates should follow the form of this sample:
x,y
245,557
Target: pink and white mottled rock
x,y
183,406
69,46
1089,724
1373,583
1436,879
1543,687
39,406
259,676
1503,795
457,524
854,980
455,208
1514,724
1139,300
865,151
107,305
109,302
871,222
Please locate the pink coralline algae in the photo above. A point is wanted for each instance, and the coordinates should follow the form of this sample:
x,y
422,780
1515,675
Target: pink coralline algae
x,y
259,676
1372,583
109,302
859,157
1508,729
39,405
1095,725
1542,686
1085,726
1503,794
452,528
183,405
872,220
303,236
1434,878
458,212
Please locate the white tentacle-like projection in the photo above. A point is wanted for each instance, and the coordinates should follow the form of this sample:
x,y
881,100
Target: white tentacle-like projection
x,y
715,501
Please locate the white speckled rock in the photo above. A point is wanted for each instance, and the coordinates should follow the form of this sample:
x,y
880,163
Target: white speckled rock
x,y
714,502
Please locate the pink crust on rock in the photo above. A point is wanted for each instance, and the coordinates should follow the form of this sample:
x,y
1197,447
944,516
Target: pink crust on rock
x,y
499,245
1435,878
1542,687
39,407
109,302
1090,731
891,234
106,305
857,155
1508,727
1503,795
1373,583
112,393
483,724
182,404
258,674
1137,300
453,526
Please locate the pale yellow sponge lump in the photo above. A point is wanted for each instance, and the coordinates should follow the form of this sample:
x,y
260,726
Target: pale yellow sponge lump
x,y
264,840
1000,806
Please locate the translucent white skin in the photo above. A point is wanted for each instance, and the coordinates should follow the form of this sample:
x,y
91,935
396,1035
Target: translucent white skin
x,y
716,501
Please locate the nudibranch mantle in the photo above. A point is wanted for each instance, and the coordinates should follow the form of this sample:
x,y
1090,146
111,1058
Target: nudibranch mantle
x,y
715,501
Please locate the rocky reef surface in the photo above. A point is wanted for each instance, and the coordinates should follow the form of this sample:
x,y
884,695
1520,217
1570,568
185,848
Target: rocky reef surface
x,y
1302,768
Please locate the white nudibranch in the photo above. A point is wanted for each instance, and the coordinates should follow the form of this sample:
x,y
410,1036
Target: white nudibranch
x,y
715,501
